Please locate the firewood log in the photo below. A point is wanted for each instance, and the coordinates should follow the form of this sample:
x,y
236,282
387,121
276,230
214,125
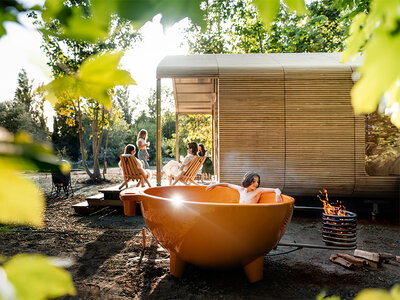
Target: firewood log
x,y
356,261
341,261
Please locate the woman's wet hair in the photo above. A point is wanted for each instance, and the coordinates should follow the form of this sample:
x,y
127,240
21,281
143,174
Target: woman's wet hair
x,y
202,150
248,179
129,148
193,146
142,134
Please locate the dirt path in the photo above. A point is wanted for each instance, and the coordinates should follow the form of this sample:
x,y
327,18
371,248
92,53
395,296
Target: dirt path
x,y
110,262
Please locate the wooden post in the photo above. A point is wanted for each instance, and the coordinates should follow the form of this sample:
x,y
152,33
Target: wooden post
x,y
144,237
215,113
158,128
177,136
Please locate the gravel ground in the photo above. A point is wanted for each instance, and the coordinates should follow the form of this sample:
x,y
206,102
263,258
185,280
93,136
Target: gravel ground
x,y
110,261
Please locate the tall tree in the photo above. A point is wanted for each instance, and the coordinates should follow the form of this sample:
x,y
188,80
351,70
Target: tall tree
x,y
26,111
124,104
66,56
237,27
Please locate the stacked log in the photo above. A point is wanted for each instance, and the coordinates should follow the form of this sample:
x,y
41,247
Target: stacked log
x,y
361,258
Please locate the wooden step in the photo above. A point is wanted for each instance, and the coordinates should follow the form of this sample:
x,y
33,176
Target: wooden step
x,y
104,202
83,208
111,193
96,197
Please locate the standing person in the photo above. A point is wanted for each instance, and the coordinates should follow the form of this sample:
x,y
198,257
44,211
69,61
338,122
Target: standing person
x,y
174,169
142,145
250,191
207,167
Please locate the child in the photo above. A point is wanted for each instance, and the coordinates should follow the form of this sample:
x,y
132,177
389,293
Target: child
x,y
250,191
142,145
207,168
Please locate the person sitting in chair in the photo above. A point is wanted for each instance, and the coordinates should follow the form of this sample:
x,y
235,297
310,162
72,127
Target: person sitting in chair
x,y
173,168
130,150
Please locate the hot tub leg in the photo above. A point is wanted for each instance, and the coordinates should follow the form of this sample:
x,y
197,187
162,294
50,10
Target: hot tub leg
x,y
176,265
254,269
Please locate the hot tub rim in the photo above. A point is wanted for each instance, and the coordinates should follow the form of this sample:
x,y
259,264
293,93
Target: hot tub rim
x,y
142,193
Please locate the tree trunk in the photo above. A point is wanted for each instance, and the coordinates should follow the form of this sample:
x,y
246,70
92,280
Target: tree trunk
x,y
96,143
80,134
105,155
97,140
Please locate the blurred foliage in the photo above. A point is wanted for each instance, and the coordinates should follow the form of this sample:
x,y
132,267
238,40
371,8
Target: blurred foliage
x,y
22,203
19,153
94,80
9,10
36,277
322,296
269,9
381,294
376,33
369,294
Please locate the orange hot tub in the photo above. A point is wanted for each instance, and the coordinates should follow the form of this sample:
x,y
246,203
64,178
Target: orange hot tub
x,y
209,229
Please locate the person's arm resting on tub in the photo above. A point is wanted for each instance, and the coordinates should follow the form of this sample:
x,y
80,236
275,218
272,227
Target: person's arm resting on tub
x,y
277,192
228,185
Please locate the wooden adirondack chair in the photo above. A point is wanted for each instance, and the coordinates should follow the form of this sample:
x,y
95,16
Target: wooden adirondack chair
x,y
187,176
131,171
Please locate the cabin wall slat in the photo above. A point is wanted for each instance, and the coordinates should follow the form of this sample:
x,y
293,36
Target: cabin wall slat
x,y
251,124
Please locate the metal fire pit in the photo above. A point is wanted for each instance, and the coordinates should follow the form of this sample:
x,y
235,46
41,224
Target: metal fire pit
x,y
340,231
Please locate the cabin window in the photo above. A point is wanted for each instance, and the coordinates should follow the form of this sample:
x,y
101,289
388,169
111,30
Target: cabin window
x,y
382,146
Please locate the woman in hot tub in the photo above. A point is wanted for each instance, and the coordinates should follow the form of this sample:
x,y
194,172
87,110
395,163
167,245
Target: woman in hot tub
x,y
250,191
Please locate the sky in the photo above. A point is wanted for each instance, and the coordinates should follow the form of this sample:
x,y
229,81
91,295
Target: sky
x,y
20,48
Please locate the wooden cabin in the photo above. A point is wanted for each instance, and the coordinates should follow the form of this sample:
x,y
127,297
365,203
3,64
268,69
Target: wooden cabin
x,y
286,116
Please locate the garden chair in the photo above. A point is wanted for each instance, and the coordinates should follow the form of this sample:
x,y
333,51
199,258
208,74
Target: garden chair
x,y
187,176
131,171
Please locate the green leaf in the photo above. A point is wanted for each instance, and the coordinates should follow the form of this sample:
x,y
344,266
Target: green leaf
x,y
93,80
379,72
267,9
87,23
24,154
387,12
5,16
22,199
321,296
172,11
296,5
86,29
395,292
356,39
34,277
9,11
373,294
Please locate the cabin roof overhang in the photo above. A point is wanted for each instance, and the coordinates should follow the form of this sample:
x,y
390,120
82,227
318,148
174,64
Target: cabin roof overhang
x,y
194,76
